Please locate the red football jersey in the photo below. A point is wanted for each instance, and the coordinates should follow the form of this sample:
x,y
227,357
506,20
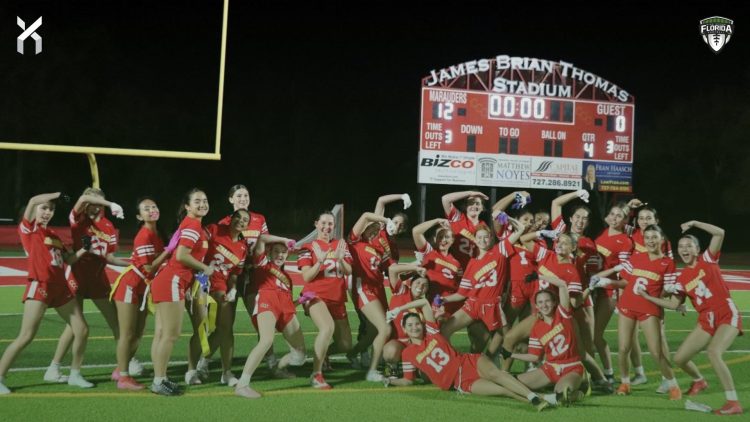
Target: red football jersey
x,y
639,246
485,278
103,242
147,246
588,261
640,270
44,249
401,296
388,244
435,357
366,260
193,237
557,340
522,263
614,249
224,254
550,265
442,270
269,276
256,227
463,247
330,283
704,285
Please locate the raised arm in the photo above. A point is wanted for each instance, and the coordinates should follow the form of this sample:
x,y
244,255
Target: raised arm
x,y
395,271
387,199
30,211
260,245
505,201
80,205
717,234
561,200
420,241
364,220
449,198
561,286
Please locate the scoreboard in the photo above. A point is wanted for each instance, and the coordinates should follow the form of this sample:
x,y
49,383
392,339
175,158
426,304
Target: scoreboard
x,y
525,123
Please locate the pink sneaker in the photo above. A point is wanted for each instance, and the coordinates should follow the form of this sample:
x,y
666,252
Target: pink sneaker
x,y
116,375
317,381
128,383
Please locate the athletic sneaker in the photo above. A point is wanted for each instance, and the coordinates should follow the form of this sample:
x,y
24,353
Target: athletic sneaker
x,y
623,390
53,375
3,389
354,361
229,379
77,380
696,387
283,374
128,383
374,376
317,381
115,375
731,407
271,361
539,403
135,367
166,388
663,387
610,378
675,393
563,397
192,378
639,379
203,367
603,386
246,392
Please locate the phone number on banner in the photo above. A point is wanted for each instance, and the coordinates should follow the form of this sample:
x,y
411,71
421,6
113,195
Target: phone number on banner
x,y
569,184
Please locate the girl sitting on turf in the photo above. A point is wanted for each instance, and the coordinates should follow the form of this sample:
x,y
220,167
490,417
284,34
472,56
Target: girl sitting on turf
x,y
47,287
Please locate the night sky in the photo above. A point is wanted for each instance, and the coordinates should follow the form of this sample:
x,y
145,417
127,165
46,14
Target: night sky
x,y
322,101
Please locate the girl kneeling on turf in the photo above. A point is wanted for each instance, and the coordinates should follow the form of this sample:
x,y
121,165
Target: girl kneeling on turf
x,y
553,335
407,296
274,310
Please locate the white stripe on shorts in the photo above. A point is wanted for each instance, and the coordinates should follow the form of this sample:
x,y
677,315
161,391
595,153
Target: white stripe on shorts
x,y
175,288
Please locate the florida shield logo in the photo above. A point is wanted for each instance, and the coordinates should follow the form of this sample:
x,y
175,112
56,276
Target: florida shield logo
x,y
716,32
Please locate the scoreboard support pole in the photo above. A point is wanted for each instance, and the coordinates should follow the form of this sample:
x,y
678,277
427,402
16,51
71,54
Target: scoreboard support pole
x,y
493,196
422,201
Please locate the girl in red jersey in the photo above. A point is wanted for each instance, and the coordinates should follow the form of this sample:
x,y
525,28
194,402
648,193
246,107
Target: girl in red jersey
x,y
553,335
171,282
482,285
464,224
368,292
325,263
408,296
385,237
226,254
649,271
274,310
719,321
443,270
130,290
47,287
431,353
87,221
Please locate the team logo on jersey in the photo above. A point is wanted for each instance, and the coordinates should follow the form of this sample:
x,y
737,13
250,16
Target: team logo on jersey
x,y
716,32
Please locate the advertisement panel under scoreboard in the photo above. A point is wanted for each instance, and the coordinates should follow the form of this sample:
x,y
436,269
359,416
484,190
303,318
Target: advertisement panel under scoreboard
x,y
524,123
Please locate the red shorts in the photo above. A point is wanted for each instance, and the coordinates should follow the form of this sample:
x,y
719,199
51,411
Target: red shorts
x,y
468,372
450,308
279,303
91,284
491,313
218,285
336,309
363,293
555,371
169,287
52,294
521,293
636,315
711,320
130,289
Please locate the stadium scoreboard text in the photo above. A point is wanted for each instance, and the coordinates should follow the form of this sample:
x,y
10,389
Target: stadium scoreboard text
x,y
525,123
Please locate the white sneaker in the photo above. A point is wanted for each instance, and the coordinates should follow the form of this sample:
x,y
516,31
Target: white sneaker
x,y
135,368
53,374
203,367
271,361
229,379
191,378
663,387
639,379
3,389
374,376
77,380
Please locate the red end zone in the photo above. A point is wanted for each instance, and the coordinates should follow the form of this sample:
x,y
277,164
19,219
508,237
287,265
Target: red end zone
x,y
13,273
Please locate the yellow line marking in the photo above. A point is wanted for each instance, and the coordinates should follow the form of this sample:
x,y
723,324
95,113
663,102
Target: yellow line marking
x,y
708,365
